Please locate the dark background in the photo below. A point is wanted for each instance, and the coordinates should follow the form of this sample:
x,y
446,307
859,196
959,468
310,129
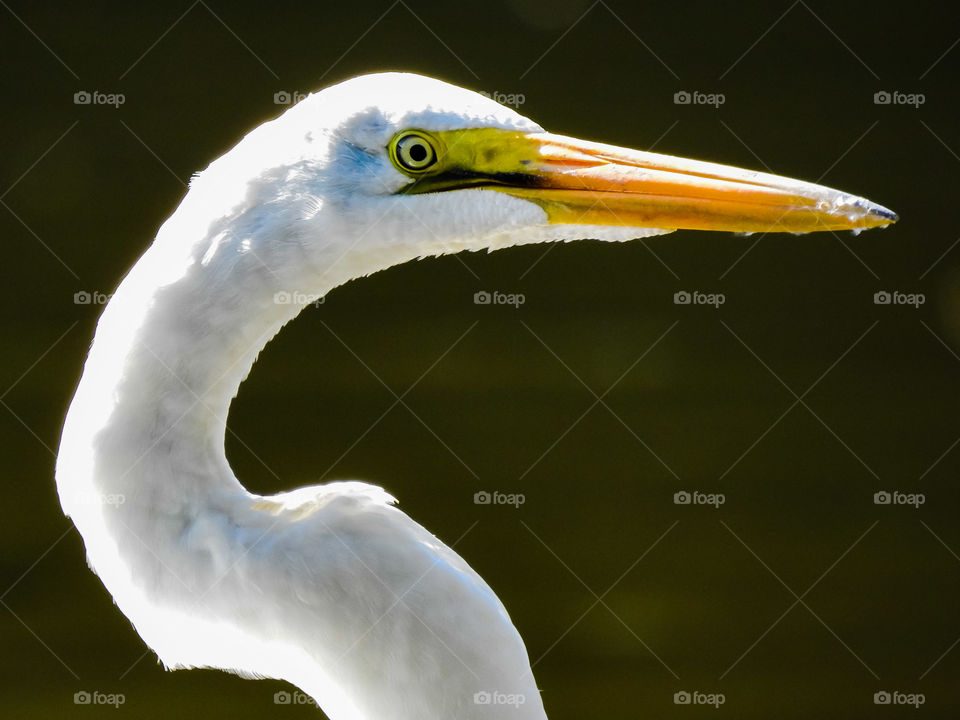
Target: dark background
x,y
798,598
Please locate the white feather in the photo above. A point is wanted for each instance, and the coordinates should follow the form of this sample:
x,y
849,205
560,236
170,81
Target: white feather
x,y
329,587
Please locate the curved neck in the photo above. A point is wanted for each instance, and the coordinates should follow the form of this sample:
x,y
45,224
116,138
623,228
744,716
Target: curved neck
x,y
172,347
148,421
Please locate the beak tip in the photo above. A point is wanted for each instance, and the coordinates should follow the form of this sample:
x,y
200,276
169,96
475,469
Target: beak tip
x,y
872,215
889,215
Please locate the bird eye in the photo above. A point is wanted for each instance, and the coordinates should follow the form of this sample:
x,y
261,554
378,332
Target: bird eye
x,y
413,152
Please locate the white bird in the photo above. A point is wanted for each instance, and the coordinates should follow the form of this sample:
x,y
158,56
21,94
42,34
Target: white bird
x,y
331,587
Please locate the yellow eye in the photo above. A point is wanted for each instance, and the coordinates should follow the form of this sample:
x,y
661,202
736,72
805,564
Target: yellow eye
x,y
413,151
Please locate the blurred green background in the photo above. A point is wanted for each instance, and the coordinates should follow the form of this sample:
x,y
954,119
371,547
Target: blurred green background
x,y
798,598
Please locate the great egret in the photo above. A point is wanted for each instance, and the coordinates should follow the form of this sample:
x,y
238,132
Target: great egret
x,y
330,586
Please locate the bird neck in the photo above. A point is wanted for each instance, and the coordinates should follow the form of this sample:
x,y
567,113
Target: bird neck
x,y
141,469
148,420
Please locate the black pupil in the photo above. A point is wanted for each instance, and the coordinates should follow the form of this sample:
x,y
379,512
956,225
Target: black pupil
x,y
418,153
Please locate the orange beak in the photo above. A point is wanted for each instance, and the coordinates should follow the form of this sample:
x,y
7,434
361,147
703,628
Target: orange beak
x,y
586,183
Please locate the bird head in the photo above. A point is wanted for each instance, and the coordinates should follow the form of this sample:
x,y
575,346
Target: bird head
x,y
402,162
